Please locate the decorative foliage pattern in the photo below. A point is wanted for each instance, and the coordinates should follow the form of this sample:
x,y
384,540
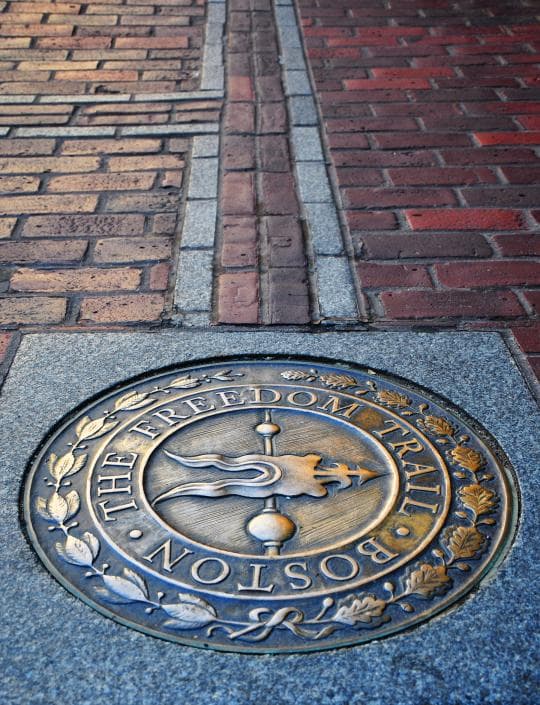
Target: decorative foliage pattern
x,y
425,580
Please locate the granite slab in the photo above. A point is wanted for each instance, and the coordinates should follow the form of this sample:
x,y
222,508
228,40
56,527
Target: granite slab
x,y
55,649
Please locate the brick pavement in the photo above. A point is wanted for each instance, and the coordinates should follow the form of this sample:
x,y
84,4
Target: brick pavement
x,y
431,120
89,212
394,185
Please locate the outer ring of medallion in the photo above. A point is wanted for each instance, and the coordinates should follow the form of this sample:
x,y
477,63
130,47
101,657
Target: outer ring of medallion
x,y
463,456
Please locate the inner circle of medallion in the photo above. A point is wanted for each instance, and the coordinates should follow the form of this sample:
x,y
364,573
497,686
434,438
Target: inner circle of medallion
x,y
385,521
380,504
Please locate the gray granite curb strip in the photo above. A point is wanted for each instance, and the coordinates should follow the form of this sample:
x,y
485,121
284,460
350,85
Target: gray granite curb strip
x,y
333,282
56,650
192,298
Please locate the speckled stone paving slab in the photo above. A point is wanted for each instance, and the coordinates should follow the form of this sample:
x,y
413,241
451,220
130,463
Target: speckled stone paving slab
x,y
57,650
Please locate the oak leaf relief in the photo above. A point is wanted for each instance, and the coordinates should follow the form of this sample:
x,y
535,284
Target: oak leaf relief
x,y
393,399
438,425
467,458
428,580
464,541
480,499
359,608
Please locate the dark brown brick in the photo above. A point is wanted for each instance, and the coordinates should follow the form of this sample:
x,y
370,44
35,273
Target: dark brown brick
x,y
288,291
284,241
277,194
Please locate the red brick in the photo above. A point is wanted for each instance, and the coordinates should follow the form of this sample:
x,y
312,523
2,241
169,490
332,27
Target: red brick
x,y
469,275
238,298
28,310
449,304
385,276
532,297
277,194
140,181
237,194
132,249
132,308
158,279
425,72
487,156
288,297
465,219
423,245
176,42
86,279
111,146
102,225
269,88
534,362
240,88
5,340
521,174
238,152
239,117
240,242
529,122
273,153
360,177
272,118
372,220
406,140
486,138
426,176
512,196
51,251
384,197
374,84
284,241
47,204
518,245
367,124
350,140
528,338
371,158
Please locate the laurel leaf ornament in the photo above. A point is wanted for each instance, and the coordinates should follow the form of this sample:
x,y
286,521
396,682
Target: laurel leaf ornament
x,y
57,508
131,401
77,552
190,612
128,589
187,382
95,429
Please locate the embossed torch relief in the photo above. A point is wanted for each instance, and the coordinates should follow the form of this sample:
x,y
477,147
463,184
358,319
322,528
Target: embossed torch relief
x,y
269,505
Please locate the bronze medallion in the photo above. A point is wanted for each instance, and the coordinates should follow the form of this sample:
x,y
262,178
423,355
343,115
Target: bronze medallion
x,y
269,504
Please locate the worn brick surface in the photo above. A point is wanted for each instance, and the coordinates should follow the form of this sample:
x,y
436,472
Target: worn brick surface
x,y
261,238
432,122
98,214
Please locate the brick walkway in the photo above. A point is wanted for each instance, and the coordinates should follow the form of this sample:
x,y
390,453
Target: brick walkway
x,y
386,178
431,118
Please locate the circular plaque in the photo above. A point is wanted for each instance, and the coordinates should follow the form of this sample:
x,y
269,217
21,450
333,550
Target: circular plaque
x,y
269,504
